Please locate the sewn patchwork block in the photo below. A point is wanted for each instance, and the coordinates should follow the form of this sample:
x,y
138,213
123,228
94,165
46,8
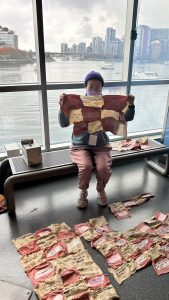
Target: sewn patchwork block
x,y
85,111
128,252
59,267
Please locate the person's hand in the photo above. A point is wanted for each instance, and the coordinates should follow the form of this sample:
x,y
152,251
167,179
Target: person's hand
x,y
131,99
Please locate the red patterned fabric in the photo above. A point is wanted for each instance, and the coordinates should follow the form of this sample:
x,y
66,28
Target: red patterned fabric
x,y
70,102
115,102
79,128
109,124
91,112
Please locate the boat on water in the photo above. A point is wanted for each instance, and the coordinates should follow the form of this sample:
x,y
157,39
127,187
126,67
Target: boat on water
x,y
107,67
145,75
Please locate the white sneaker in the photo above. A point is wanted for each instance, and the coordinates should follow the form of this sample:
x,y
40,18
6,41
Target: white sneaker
x,y
102,198
82,201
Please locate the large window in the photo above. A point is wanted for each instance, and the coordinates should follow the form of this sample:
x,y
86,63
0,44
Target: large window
x,y
72,38
151,54
150,105
19,117
58,135
62,71
17,73
17,45
83,36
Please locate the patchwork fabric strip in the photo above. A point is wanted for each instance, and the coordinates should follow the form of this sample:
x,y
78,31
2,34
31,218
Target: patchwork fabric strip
x,y
126,253
121,209
131,144
95,113
60,268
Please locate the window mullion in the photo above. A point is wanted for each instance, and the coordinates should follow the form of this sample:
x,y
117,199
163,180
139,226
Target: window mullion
x,y
41,70
130,36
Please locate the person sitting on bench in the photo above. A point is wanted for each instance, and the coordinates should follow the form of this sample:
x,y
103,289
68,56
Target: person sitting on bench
x,y
87,147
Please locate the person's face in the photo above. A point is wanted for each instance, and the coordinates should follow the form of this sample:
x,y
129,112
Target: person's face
x,y
94,88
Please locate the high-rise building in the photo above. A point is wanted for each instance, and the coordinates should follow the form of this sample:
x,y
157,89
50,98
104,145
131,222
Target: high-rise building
x,y
89,49
74,49
155,50
162,35
142,45
117,48
81,48
8,38
97,45
64,48
159,34
164,54
109,38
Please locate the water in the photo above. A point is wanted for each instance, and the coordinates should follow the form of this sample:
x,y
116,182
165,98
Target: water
x,y
20,111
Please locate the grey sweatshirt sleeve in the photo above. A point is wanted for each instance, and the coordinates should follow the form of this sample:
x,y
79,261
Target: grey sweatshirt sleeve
x,y
63,120
130,112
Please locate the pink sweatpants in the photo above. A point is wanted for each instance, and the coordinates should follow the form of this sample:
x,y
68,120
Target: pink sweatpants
x,y
84,159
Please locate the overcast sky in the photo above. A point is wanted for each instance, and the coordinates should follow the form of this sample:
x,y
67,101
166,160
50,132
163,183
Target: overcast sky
x,y
74,21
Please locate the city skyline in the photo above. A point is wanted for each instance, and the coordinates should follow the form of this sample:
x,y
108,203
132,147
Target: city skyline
x,y
74,21
152,44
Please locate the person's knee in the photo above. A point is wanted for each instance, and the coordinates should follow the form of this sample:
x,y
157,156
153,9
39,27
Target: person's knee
x,y
103,169
87,168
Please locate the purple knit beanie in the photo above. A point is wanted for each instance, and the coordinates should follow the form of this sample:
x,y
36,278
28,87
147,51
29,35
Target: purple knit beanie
x,y
94,75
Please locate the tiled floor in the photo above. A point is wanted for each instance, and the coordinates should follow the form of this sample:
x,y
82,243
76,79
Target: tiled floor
x,y
41,204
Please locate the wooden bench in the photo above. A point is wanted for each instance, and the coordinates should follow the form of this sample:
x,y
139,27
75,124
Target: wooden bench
x,y
57,163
